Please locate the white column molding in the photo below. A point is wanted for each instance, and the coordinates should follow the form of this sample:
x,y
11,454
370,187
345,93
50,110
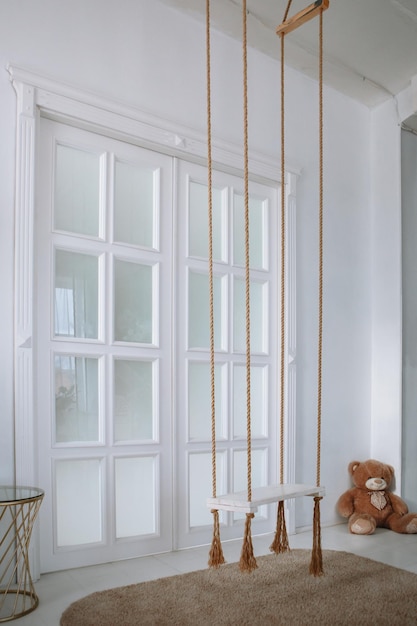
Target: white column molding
x,y
25,465
25,156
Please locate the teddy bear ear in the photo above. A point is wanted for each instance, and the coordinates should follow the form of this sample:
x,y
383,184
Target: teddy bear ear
x,y
353,466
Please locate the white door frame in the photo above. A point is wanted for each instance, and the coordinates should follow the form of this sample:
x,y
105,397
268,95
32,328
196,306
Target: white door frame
x,y
38,95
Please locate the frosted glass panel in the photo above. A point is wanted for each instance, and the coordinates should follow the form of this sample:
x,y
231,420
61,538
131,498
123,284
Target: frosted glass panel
x,y
199,315
76,295
257,316
259,395
133,401
132,302
259,475
257,235
77,191
134,204
198,221
76,398
200,487
135,496
199,400
78,502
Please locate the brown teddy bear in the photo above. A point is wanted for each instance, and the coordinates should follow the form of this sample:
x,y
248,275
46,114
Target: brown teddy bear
x,y
369,504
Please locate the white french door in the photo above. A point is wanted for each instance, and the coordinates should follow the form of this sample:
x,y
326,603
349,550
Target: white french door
x,y
122,347
103,224
194,468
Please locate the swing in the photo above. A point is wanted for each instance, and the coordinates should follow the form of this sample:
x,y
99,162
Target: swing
x,y
249,500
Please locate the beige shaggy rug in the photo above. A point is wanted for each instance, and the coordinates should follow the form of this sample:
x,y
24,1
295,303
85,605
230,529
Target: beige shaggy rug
x,y
353,590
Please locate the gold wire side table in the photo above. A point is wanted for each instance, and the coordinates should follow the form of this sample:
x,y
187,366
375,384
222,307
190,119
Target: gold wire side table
x,y
19,507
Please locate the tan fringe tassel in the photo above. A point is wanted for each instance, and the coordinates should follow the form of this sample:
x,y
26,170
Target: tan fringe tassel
x,y
216,557
280,543
316,564
247,559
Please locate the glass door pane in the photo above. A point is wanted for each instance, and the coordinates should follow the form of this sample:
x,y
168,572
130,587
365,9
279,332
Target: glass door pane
x,y
76,399
76,295
135,417
79,503
198,240
133,302
77,190
136,203
136,489
104,310
258,240
198,311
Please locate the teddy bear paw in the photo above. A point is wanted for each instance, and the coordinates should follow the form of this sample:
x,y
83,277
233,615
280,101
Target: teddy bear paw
x,y
362,527
412,526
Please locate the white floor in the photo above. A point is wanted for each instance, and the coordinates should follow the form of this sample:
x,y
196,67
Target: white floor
x,y
56,591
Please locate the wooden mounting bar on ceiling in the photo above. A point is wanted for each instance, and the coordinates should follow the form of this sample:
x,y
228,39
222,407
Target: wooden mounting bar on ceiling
x,y
303,16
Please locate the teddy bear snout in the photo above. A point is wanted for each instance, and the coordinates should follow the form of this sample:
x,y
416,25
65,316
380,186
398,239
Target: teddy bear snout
x,y
376,484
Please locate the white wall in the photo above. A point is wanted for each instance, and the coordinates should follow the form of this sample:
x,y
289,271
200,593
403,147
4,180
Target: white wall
x,y
386,326
409,295
386,285
144,54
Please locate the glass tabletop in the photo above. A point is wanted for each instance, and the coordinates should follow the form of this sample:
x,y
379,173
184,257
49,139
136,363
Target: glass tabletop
x,y
10,493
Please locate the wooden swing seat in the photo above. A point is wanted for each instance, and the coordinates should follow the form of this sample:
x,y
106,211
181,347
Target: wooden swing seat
x,y
238,501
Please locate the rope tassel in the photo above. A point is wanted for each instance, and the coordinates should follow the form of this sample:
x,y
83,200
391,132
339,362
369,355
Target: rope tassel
x,y
316,563
216,557
280,543
247,559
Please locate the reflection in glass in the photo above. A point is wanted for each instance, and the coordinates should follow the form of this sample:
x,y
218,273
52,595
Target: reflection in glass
x,y
199,316
198,221
77,191
135,495
78,485
258,395
200,487
199,400
133,302
257,316
76,398
259,475
133,400
134,204
76,295
257,235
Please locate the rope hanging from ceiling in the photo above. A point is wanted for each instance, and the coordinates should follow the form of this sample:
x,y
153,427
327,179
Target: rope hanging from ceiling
x,y
247,503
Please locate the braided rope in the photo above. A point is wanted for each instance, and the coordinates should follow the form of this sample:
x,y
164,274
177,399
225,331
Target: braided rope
x,y
210,246
316,563
282,399
320,330
287,10
247,256
216,557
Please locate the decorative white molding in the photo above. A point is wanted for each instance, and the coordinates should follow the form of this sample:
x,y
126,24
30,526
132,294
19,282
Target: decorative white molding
x,y
25,466
66,103
25,156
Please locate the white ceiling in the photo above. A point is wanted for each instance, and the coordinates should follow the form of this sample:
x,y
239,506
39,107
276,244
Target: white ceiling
x,y
370,46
